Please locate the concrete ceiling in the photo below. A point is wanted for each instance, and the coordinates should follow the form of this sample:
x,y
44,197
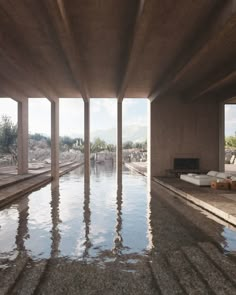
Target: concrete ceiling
x,y
118,48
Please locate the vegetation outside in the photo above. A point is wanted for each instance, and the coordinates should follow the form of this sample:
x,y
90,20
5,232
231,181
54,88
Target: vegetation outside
x,y
39,145
230,142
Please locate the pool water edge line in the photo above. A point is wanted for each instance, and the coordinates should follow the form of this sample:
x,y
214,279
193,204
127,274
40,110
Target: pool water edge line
x,y
38,185
132,168
213,210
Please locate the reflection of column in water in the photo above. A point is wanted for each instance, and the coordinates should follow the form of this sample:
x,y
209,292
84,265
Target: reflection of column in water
x,y
55,219
149,230
87,219
22,230
118,241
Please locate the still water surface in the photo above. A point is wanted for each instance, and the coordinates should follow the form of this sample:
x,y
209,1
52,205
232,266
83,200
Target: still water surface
x,y
101,222
78,221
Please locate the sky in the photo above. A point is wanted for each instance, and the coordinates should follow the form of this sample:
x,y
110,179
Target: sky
x,y
102,114
230,120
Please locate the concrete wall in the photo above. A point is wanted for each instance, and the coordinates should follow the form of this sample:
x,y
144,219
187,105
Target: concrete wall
x,y
180,129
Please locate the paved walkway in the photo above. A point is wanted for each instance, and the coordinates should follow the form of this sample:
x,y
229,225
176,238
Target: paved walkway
x,y
200,269
139,167
13,186
221,203
231,168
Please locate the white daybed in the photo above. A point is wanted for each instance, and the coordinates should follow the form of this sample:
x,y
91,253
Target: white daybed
x,y
204,179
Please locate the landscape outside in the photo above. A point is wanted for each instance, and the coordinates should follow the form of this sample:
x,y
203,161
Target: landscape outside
x,y
117,147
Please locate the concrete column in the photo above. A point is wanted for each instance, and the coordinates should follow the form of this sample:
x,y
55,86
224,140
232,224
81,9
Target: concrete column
x,y
222,137
86,141
55,139
149,146
184,130
119,144
22,138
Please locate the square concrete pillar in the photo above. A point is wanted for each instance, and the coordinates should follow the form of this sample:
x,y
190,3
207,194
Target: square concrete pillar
x,y
86,141
222,137
119,143
22,137
55,139
182,129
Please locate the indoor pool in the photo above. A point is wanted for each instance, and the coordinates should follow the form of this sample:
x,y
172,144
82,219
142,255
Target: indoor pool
x,y
79,221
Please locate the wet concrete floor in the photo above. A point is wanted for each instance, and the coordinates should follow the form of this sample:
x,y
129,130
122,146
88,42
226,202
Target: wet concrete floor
x,y
188,252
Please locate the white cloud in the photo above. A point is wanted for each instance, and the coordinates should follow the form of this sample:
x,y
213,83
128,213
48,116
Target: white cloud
x,y
39,116
71,116
8,107
135,112
230,120
103,114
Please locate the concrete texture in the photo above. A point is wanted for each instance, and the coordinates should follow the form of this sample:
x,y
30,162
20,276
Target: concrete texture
x,y
55,139
186,258
139,167
87,141
73,40
165,274
183,130
222,203
231,168
119,143
22,136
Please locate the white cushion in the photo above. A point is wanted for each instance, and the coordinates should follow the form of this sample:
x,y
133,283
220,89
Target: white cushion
x,y
201,176
191,174
206,181
222,175
212,173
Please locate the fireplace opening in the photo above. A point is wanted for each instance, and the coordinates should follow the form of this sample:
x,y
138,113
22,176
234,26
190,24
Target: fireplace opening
x,y
186,164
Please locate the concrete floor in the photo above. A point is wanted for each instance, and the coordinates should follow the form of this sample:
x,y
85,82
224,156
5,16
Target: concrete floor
x,y
189,255
231,168
222,203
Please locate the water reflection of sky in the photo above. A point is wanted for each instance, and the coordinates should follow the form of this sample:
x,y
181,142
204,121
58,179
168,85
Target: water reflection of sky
x,y
230,237
75,223
9,224
80,222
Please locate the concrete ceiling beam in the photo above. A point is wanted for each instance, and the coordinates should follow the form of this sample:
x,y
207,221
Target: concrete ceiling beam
x,y
218,78
10,88
135,47
207,30
61,23
16,48
223,94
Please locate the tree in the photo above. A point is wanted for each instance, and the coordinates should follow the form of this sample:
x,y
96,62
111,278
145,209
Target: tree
x,y
38,136
128,145
98,145
67,142
111,147
8,135
230,141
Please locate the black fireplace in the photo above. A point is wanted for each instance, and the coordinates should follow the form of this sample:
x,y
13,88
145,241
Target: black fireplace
x,y
186,163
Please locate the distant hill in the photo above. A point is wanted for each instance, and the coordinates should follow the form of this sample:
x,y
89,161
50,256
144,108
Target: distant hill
x,y
135,133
